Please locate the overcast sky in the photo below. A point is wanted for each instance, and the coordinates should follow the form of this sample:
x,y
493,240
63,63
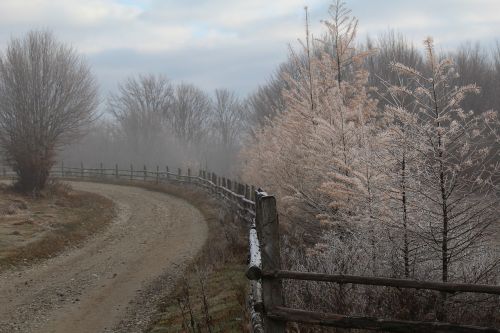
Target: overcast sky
x,y
232,44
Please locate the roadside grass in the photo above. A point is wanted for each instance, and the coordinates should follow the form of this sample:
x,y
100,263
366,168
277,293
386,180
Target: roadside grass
x,y
211,297
224,289
38,228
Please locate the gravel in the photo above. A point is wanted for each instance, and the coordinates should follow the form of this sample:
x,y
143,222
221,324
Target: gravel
x,y
114,281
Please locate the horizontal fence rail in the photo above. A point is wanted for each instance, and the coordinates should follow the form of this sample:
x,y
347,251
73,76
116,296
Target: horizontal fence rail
x,y
268,313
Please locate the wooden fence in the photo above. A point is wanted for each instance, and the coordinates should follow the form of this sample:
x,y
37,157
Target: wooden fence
x,y
268,313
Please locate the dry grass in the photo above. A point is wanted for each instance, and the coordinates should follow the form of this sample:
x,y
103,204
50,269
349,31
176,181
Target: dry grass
x,y
37,228
216,275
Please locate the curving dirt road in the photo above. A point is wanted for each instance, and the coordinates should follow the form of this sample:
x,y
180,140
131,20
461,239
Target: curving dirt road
x,y
113,282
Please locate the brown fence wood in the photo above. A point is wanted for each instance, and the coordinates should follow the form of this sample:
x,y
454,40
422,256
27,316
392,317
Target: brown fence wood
x,y
386,282
266,221
370,323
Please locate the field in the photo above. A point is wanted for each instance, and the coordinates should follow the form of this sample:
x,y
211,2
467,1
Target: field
x,y
37,228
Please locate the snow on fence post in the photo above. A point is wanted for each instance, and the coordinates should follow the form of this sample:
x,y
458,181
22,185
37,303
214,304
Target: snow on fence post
x,y
266,220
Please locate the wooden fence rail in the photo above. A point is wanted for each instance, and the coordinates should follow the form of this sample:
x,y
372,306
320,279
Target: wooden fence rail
x,y
268,313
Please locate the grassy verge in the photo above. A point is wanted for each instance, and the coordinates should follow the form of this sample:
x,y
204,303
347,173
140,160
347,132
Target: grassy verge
x,y
38,228
211,296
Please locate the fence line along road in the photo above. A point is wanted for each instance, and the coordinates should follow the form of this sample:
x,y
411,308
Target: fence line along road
x,y
268,313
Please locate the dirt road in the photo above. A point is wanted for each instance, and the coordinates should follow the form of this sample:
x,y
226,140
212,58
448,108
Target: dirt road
x,y
112,282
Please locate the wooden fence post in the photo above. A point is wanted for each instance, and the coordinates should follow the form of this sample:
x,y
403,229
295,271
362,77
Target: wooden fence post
x,y
145,172
102,171
157,174
116,171
81,169
189,175
131,172
268,231
179,172
166,168
62,169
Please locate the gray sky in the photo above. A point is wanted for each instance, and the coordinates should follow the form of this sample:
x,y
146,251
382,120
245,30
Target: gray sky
x,y
231,44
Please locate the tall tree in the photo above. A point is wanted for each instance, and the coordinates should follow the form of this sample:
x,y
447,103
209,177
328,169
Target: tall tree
x,y
228,118
457,201
140,107
190,114
47,97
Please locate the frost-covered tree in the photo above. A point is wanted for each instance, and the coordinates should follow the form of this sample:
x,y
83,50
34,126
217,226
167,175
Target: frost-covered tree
x,y
456,201
312,155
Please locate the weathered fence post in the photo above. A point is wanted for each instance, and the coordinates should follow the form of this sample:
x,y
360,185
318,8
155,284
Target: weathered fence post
x,y
116,171
179,172
81,169
131,172
145,172
266,220
62,169
102,171
166,168
157,174
189,175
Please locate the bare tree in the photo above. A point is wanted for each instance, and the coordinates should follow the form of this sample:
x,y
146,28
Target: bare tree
x,y
474,65
141,106
47,96
267,101
190,113
228,117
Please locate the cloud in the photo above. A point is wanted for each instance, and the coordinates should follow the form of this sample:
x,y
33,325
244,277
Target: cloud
x,y
451,22
225,43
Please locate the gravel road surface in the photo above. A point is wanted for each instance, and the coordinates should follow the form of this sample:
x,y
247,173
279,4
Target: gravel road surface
x,y
113,281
